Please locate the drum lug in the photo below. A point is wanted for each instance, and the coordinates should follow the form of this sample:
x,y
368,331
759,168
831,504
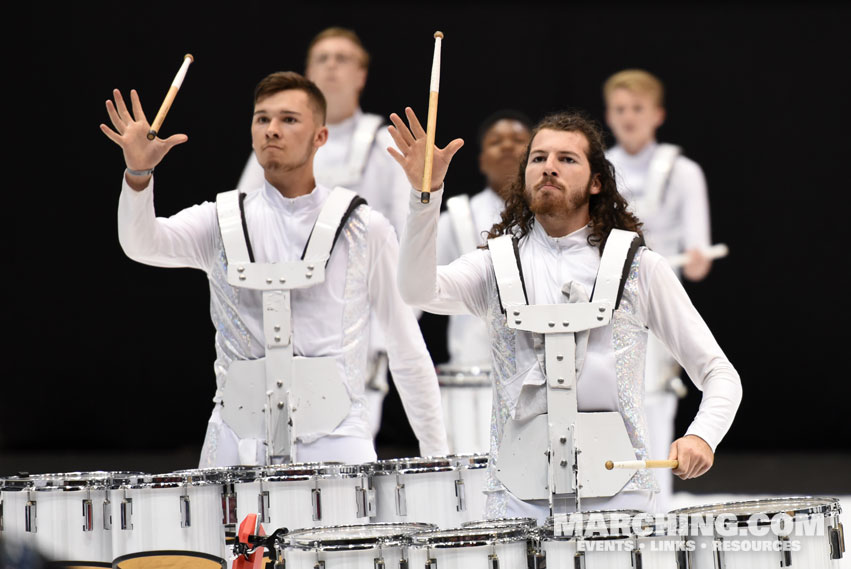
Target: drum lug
x,y
537,560
229,505
579,560
493,561
637,563
126,513
683,559
88,516
460,494
185,512
403,564
107,514
1,516
263,506
720,563
365,501
319,565
431,564
837,539
401,501
316,500
30,515
785,552
378,563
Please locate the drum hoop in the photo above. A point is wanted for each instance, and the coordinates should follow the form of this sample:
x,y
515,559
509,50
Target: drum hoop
x,y
529,523
169,552
803,510
468,537
293,540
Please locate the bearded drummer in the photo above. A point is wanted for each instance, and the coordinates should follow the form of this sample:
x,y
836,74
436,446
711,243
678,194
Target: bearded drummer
x,y
297,271
561,217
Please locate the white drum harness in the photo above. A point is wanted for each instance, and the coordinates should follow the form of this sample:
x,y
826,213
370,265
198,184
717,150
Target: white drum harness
x,y
563,452
281,396
350,172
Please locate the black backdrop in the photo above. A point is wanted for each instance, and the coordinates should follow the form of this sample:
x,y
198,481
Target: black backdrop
x,y
109,354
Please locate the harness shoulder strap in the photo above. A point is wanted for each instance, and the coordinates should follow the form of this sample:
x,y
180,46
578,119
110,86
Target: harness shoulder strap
x,y
234,232
461,217
618,254
505,256
332,218
362,139
658,175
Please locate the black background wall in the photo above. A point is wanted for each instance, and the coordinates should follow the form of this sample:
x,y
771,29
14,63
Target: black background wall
x,y
111,355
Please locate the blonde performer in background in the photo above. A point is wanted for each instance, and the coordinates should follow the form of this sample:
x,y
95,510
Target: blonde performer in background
x,y
667,191
354,157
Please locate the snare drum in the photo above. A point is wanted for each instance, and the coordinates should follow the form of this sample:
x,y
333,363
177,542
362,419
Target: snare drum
x,y
471,548
608,540
762,534
167,514
306,495
466,397
445,491
64,516
366,546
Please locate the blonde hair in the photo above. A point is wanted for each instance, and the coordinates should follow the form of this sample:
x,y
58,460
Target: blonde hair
x,y
337,32
636,80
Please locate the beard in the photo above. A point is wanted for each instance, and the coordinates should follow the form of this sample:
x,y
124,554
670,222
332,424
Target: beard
x,y
279,164
553,203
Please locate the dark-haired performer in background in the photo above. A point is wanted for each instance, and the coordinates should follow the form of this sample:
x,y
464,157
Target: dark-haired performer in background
x,y
324,323
562,208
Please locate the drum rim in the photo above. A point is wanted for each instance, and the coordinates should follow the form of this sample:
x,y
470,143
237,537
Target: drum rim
x,y
312,471
828,505
420,464
471,537
164,552
352,544
529,523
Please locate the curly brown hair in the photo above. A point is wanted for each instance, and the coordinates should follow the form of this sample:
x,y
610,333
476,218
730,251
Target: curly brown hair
x,y
608,209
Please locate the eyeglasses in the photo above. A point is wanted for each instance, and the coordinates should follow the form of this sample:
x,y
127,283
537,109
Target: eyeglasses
x,y
338,58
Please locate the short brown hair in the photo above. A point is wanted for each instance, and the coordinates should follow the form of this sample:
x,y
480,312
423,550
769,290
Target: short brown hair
x,y
636,80
290,80
337,32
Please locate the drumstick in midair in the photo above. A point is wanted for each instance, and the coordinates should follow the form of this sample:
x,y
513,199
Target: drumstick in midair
x,y
642,464
169,97
432,118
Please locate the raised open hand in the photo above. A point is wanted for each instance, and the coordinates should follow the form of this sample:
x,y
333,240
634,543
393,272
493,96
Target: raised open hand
x,y
412,149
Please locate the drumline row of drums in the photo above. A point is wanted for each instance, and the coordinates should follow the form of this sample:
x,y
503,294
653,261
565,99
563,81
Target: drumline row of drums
x,y
423,513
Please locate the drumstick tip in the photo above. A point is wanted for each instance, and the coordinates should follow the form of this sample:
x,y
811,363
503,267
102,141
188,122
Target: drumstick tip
x,y
609,465
189,56
438,35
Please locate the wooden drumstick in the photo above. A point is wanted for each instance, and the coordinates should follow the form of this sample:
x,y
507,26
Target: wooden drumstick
x,y
169,97
432,118
642,464
718,251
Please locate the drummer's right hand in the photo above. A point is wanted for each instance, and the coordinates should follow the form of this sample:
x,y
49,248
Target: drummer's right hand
x,y
131,134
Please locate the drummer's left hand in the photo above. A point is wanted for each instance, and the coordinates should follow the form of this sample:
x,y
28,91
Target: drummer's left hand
x,y
694,455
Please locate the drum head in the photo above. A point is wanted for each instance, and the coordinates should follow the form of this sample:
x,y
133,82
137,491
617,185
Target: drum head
x,y
367,536
169,560
793,506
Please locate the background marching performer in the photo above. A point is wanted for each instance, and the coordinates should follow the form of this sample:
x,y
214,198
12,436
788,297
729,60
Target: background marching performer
x,y
272,324
563,207
667,191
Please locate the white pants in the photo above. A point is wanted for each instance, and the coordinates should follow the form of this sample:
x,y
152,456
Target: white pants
x,y
222,447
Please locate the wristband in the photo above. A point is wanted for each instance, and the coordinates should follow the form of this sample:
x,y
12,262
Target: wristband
x,y
147,172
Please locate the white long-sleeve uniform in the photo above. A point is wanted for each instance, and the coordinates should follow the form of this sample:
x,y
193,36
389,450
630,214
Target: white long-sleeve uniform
x,y
330,319
612,375
467,336
681,221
